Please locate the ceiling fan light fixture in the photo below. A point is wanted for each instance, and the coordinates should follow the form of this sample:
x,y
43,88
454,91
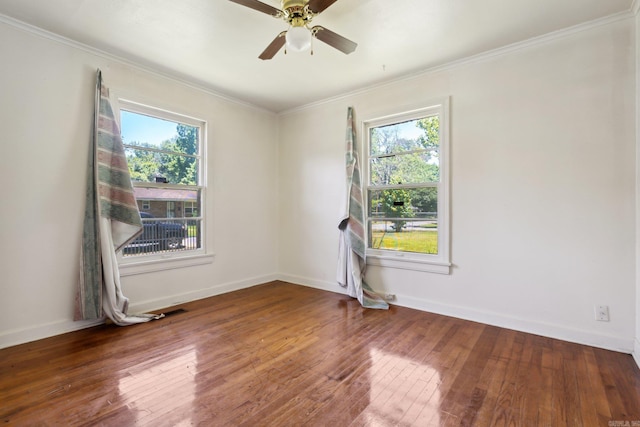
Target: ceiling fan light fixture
x,y
298,39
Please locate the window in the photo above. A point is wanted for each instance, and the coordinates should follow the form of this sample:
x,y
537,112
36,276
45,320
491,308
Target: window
x,y
164,155
190,209
407,190
171,209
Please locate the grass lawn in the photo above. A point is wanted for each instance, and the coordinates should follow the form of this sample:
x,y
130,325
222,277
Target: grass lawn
x,y
425,242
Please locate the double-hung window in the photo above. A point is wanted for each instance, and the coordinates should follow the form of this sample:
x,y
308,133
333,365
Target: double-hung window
x,y
407,189
165,157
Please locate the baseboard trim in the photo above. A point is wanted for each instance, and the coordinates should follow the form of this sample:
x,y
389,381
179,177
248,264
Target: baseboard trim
x,y
173,300
22,336
312,283
578,336
615,343
47,330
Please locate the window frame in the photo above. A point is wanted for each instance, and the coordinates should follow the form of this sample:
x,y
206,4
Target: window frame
x,y
169,260
434,263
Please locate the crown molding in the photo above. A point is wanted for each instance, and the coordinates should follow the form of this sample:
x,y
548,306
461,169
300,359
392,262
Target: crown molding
x,y
481,57
148,68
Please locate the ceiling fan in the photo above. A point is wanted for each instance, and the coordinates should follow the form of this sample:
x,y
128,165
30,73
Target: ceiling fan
x,y
299,13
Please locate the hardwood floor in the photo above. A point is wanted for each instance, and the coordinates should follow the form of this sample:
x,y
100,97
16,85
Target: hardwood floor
x,y
286,355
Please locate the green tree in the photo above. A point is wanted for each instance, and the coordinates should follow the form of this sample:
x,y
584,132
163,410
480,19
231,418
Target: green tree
x,y
395,168
176,168
430,139
144,165
426,199
395,203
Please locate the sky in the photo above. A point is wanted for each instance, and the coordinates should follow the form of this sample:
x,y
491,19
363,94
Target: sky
x,y
140,128
409,130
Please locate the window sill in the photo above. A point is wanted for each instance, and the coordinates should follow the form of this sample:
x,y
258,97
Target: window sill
x,y
400,262
161,264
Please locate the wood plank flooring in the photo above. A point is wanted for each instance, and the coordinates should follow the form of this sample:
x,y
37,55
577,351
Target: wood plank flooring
x,y
286,355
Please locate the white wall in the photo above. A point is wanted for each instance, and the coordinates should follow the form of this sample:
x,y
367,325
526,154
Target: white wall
x,y
543,188
46,107
636,352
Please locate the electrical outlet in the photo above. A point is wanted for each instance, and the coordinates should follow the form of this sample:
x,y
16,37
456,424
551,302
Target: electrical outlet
x,y
602,313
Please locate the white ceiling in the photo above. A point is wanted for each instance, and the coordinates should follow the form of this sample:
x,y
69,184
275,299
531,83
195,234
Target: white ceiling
x,y
215,43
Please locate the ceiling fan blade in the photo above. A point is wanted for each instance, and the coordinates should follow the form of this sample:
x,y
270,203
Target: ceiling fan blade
x,y
274,46
259,6
344,45
318,6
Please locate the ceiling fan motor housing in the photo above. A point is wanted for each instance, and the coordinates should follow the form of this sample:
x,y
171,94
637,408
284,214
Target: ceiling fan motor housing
x,y
296,12
286,4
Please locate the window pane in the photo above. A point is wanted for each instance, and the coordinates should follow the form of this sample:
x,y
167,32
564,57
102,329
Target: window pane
x,y
140,129
413,168
406,136
406,236
171,221
166,235
159,149
404,203
151,166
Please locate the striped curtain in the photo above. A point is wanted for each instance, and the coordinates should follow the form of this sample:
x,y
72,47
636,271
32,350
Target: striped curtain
x,y
351,249
112,220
